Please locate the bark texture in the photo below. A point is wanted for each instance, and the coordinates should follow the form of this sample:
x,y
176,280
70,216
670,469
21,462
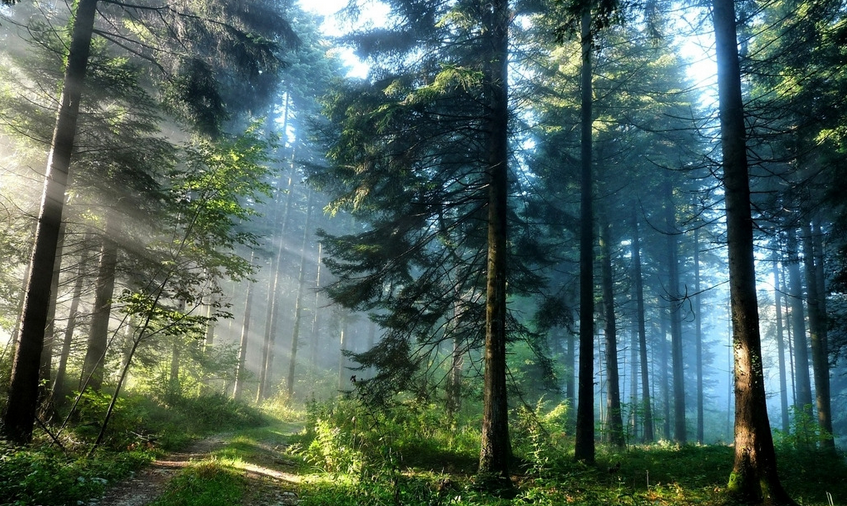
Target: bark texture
x,y
495,450
754,475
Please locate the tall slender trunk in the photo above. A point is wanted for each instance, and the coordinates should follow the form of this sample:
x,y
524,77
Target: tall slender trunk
x,y
454,382
19,418
780,344
633,381
614,422
817,337
59,389
698,335
315,334
642,334
298,304
675,306
495,450
241,371
271,318
754,475
342,347
50,331
98,335
665,390
584,448
803,384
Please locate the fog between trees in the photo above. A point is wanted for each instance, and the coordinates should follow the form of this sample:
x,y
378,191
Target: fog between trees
x,y
241,218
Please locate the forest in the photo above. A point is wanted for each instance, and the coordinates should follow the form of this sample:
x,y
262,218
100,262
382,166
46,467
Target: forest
x,y
423,252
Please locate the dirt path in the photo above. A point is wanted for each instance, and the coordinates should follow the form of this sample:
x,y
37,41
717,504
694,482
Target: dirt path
x,y
270,475
149,483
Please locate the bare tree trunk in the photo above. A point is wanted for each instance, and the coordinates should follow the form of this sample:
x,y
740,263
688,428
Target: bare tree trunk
x,y
342,347
642,334
820,360
780,343
584,448
614,423
241,371
798,325
754,476
50,330
675,296
272,319
298,304
495,450
98,335
663,377
698,335
315,334
59,390
19,418
454,382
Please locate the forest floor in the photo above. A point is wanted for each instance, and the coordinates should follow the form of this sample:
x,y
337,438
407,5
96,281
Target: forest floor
x,y
271,466
266,477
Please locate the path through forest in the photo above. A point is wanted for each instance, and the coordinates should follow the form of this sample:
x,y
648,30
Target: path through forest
x,y
270,480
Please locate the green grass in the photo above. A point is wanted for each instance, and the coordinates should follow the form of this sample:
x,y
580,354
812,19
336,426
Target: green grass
x,y
142,429
345,455
207,483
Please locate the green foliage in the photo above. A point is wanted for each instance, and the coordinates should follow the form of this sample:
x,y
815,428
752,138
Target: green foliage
x,y
805,433
44,475
207,483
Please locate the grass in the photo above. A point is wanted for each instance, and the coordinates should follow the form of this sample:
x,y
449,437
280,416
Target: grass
x,y
142,429
207,483
343,455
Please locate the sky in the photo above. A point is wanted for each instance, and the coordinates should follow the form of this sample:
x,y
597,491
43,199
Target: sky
x,y
332,26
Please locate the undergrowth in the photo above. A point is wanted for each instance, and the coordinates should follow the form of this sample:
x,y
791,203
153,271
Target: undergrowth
x,y
410,454
58,472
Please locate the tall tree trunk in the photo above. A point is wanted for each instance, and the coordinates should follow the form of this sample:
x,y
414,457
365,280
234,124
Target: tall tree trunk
x,y
803,384
271,319
174,385
298,304
342,347
315,334
754,476
614,422
570,380
817,337
584,448
495,449
19,418
98,335
59,389
633,381
698,335
241,371
675,306
780,344
665,389
649,436
50,331
454,382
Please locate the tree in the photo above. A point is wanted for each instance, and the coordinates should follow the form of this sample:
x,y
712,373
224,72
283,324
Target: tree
x,y
584,449
754,476
495,447
615,422
19,418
